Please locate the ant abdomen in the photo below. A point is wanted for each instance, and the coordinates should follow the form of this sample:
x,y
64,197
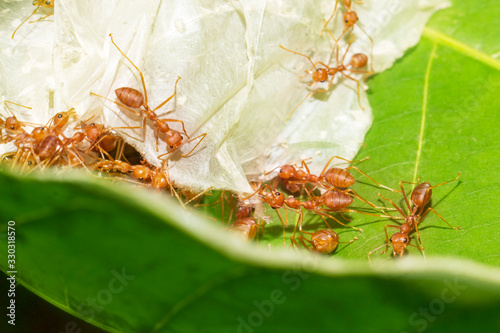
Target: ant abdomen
x,y
130,97
47,147
324,241
337,200
421,195
339,177
247,227
359,60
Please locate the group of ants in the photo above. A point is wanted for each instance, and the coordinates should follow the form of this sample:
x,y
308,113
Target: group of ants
x,y
91,146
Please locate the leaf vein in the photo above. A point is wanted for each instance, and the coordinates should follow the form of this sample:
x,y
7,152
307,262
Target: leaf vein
x,y
424,110
465,49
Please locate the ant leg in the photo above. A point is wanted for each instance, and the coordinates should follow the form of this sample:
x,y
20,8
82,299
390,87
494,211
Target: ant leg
x,y
371,51
451,181
431,209
284,224
322,213
42,18
420,248
397,208
26,20
357,83
202,137
387,241
142,76
357,196
373,180
199,195
375,249
10,110
349,242
404,194
156,137
331,17
324,220
294,242
302,239
365,213
284,48
310,93
343,159
173,95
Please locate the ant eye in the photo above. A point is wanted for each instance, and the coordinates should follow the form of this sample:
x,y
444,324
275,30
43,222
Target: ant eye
x,y
405,240
141,178
390,239
59,115
171,147
277,194
47,2
12,127
346,21
92,124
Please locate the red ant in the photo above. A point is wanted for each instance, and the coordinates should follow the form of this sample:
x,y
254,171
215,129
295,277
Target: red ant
x,y
38,3
132,98
420,197
358,61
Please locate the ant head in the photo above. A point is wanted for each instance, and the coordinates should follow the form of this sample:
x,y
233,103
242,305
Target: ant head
x,y
399,242
39,133
62,118
350,19
141,172
325,241
320,75
160,180
174,140
44,3
359,60
275,199
286,171
12,124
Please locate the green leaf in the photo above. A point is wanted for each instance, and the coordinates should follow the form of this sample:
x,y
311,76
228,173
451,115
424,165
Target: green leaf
x,y
73,237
